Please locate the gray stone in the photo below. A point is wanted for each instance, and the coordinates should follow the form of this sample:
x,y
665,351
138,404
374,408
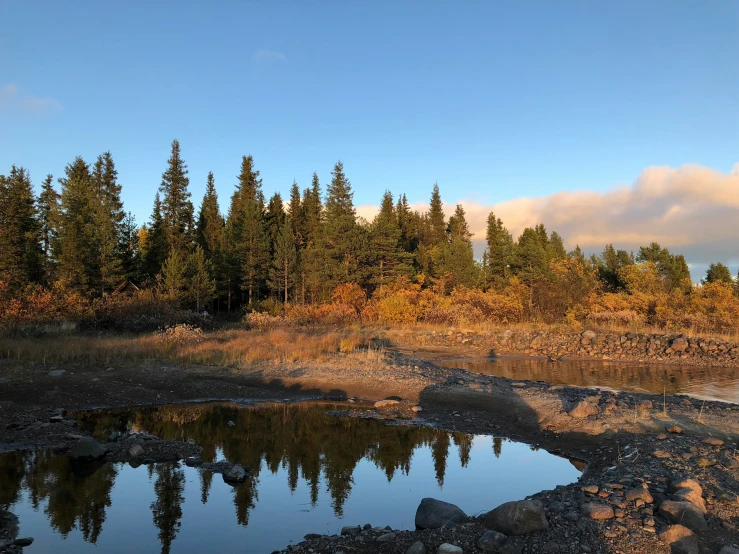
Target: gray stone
x,y
434,514
87,447
193,461
583,409
416,548
4,380
25,541
497,543
387,537
447,548
680,538
728,550
639,493
235,474
57,373
595,510
351,530
683,512
385,403
691,496
136,451
517,518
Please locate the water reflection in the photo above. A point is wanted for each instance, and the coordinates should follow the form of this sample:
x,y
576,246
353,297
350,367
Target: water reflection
x,y
718,383
308,466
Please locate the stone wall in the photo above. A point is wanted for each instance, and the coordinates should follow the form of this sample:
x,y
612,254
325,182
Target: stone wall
x,y
662,348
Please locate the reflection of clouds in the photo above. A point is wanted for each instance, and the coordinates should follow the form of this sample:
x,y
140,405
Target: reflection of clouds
x,y
692,209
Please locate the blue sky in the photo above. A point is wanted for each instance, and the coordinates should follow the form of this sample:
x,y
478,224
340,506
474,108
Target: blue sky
x,y
492,100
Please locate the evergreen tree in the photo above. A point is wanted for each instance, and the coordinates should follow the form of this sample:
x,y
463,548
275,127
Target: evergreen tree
x,y
201,286
131,262
253,249
391,261
609,266
21,256
500,248
436,221
282,273
532,259
455,257
108,223
555,247
173,278
79,257
210,226
673,268
176,208
274,217
718,273
48,217
154,247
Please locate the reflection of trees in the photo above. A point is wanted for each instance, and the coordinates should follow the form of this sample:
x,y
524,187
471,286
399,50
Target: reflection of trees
x,y
167,508
309,445
497,446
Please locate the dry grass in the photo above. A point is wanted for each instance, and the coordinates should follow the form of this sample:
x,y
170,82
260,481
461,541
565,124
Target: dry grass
x,y
220,348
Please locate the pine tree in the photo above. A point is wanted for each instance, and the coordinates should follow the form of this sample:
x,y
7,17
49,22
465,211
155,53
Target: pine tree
x,y
532,259
177,210
109,218
154,247
718,273
254,250
436,221
454,257
48,217
500,248
201,286
79,257
274,217
21,256
314,270
282,272
173,278
391,261
131,262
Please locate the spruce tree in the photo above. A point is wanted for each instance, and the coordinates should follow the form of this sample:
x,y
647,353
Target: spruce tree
x,y
454,257
173,277
500,249
391,261
436,221
201,285
48,217
177,210
253,250
79,257
210,226
109,218
282,272
21,256
154,246
274,217
131,262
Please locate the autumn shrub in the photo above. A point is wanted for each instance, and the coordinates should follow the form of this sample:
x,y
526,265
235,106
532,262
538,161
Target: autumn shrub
x,y
264,321
179,335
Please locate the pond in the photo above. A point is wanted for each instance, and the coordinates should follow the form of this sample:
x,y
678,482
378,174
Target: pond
x,y
312,473
710,383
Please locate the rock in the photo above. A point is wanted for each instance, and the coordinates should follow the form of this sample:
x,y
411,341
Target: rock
x,y
691,484
416,548
87,447
675,430
416,409
385,403
235,474
498,543
57,373
517,518
590,489
640,493
25,541
4,380
387,537
661,454
231,424
136,451
728,550
679,344
684,513
589,335
351,530
693,497
447,548
713,441
595,510
680,538
193,461
433,514
583,409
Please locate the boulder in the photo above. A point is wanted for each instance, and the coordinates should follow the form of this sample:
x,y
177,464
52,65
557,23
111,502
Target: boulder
x,y
87,447
583,409
447,548
351,530
679,344
193,461
23,542
595,510
683,512
728,550
691,484
387,537
497,543
639,493
517,518
235,474
385,403
589,335
433,514
680,538
136,451
691,496
416,548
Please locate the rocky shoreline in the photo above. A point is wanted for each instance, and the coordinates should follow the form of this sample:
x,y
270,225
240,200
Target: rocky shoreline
x,y
637,347
637,447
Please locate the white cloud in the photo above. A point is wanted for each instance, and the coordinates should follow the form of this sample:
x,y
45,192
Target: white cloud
x,y
693,210
263,55
15,102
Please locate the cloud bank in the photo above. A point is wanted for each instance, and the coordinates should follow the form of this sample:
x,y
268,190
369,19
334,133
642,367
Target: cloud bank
x,y
262,56
693,210
15,102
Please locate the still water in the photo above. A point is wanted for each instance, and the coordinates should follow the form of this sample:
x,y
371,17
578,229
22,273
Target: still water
x,y
710,383
313,473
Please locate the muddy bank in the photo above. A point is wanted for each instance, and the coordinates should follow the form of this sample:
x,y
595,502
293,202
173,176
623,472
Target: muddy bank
x,y
623,437
662,348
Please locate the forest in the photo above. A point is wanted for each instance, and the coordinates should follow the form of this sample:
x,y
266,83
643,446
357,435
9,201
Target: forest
x,y
70,255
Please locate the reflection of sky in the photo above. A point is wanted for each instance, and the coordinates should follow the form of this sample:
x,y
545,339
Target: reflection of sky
x,y
281,517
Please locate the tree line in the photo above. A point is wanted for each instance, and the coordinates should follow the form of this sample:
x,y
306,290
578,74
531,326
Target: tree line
x,y
296,251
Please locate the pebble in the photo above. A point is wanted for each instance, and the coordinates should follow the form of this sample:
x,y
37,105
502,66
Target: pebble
x,y
447,548
416,548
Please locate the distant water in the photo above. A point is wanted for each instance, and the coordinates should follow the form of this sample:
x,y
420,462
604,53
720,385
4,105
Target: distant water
x,y
710,383
313,473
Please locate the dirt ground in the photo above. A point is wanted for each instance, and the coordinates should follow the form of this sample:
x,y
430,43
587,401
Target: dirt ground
x,y
622,437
